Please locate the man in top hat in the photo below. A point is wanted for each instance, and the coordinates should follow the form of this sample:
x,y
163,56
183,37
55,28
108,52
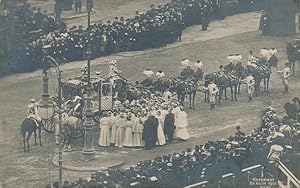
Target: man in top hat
x,y
285,74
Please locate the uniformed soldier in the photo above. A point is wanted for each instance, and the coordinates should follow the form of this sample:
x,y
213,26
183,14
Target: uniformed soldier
x,y
285,74
212,92
250,81
32,110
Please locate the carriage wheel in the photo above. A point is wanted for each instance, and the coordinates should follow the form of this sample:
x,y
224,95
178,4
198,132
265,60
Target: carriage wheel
x,y
76,133
97,116
48,126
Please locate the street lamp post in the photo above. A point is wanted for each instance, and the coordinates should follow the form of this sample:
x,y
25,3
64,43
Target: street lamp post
x,y
60,111
88,148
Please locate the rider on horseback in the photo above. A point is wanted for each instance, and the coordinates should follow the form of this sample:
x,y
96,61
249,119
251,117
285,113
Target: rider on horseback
x,y
32,110
252,59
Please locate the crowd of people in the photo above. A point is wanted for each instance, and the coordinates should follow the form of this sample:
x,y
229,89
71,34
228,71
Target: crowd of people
x,y
136,125
154,28
272,141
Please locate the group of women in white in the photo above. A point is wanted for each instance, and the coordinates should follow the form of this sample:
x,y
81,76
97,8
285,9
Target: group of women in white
x,y
126,129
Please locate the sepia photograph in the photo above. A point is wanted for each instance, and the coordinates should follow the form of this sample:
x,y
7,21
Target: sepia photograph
x,y
149,94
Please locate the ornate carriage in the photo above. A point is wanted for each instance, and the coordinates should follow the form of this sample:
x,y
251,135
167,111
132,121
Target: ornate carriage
x,y
102,93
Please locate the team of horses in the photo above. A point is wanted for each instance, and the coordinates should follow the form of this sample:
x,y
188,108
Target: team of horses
x,y
187,84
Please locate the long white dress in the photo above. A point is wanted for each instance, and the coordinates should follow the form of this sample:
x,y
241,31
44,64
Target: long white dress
x,y
113,133
120,132
161,139
128,136
181,124
104,139
137,130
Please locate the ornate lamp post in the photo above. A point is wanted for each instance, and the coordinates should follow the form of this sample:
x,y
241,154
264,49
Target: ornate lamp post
x,y
88,148
52,61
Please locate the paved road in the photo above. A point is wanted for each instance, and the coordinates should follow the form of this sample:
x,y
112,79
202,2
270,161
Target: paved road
x,y
18,169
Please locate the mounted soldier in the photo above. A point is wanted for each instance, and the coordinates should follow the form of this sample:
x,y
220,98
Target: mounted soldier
x,y
32,110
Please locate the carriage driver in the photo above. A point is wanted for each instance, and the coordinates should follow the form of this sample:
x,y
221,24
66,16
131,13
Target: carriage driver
x,y
33,112
285,74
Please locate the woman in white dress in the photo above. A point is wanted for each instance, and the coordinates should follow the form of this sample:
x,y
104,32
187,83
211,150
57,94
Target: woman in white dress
x,y
113,122
120,130
181,124
104,139
161,139
128,136
137,130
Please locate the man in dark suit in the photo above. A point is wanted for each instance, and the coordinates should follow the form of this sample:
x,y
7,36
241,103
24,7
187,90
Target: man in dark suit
x,y
169,126
150,132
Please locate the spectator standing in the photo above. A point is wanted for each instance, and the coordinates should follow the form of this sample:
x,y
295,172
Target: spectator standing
x,y
78,5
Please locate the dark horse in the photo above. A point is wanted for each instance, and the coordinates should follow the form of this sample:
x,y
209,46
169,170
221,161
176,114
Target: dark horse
x,y
227,80
28,127
261,72
73,129
188,85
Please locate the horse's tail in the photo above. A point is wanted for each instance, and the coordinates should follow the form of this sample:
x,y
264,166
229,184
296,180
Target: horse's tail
x,y
23,128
